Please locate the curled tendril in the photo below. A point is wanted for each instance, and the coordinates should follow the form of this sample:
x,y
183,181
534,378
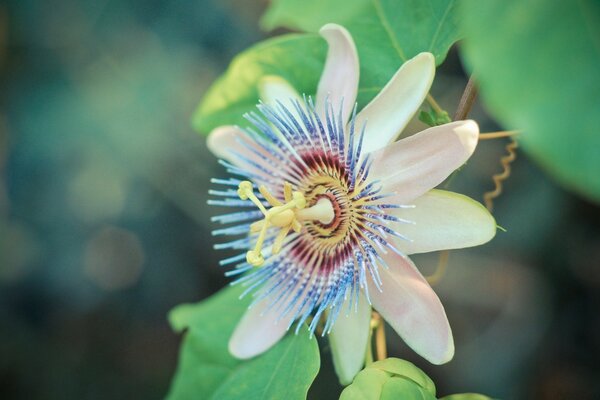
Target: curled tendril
x,y
488,197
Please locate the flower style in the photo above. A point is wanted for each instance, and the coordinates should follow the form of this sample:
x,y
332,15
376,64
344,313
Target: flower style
x,y
340,206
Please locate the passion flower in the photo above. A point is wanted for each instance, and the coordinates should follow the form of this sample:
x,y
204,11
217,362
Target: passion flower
x,y
329,207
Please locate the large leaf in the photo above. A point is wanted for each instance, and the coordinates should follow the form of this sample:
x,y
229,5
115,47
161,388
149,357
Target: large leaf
x,y
285,372
298,58
206,370
466,396
390,379
386,32
405,369
538,64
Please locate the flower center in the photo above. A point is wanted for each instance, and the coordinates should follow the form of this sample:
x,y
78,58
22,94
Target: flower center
x,y
323,188
285,217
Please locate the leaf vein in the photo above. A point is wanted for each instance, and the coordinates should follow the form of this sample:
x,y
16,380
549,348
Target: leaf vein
x,y
441,22
388,29
281,360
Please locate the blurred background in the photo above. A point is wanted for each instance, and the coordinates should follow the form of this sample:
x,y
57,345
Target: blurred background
x,y
104,225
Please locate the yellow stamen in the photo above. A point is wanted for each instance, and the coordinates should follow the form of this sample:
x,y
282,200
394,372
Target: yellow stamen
x,y
283,216
279,239
280,216
245,192
269,197
287,191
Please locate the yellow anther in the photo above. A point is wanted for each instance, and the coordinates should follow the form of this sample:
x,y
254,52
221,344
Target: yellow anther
x,y
245,192
254,258
245,188
282,216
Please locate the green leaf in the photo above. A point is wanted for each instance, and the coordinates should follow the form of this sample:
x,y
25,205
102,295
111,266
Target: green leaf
x,y
298,58
538,67
311,15
204,361
405,369
206,370
391,378
387,32
466,396
398,388
285,372
434,118
367,385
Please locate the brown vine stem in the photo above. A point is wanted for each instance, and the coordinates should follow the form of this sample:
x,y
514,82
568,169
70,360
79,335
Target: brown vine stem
x,y
462,111
466,100
497,135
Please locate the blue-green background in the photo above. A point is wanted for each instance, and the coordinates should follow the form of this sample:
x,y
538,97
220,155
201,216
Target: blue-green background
x,y
104,227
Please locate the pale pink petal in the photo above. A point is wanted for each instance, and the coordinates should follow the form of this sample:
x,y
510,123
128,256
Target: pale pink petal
x,y
391,110
413,166
442,220
349,338
234,145
412,308
274,88
257,333
339,80
225,141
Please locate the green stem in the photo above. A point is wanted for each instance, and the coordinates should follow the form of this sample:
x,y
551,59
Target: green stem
x,y
434,104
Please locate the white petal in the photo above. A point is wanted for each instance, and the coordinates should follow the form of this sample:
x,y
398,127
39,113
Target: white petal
x,y
349,338
224,142
389,112
414,165
412,308
443,220
256,333
234,145
339,80
274,88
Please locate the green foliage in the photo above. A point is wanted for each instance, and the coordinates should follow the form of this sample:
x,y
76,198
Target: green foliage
x,y
391,378
434,118
466,396
206,370
383,40
298,58
538,66
398,367
390,28
386,32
